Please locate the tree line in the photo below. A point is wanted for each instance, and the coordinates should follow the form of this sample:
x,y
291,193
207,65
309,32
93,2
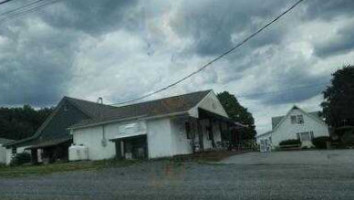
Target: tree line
x,y
21,122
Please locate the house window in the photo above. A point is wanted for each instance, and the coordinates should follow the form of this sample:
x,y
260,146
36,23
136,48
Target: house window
x,y
66,108
187,126
300,119
293,119
14,150
297,119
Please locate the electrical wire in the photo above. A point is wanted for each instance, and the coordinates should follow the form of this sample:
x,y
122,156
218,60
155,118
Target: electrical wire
x,y
217,58
5,1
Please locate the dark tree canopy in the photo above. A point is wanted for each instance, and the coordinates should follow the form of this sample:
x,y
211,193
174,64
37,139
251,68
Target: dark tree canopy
x,y
238,113
21,122
338,104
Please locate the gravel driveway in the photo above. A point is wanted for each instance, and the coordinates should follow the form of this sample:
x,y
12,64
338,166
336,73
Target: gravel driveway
x,y
167,180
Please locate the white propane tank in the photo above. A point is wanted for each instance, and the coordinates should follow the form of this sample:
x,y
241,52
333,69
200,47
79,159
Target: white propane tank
x,y
78,152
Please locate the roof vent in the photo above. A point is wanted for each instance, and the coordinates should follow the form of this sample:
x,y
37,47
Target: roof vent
x,y
100,100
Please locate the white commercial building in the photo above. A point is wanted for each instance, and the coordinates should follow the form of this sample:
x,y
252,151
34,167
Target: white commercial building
x,y
161,128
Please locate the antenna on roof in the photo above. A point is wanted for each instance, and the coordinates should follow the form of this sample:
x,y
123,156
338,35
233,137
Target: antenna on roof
x,y
100,100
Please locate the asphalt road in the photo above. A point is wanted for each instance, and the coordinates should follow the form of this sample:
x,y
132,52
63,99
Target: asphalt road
x,y
168,180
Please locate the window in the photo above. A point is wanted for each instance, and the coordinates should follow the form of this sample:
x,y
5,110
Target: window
x,y
293,119
188,130
297,119
66,107
13,150
300,119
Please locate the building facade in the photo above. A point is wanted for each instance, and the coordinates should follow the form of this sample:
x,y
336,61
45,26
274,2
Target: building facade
x,y
296,124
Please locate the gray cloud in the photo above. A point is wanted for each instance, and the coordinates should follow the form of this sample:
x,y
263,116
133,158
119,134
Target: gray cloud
x,y
342,43
329,9
212,24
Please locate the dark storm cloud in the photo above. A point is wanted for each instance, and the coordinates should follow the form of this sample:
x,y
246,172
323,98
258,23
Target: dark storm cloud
x,y
342,43
212,24
94,17
35,68
37,55
329,9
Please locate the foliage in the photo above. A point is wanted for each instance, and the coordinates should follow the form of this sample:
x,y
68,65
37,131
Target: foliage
x,y
321,142
238,113
338,104
20,159
21,122
290,142
348,139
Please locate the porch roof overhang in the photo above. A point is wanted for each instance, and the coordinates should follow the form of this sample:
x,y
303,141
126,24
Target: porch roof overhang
x,y
204,114
123,136
49,143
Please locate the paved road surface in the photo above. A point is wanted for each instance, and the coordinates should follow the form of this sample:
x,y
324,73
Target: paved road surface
x,y
241,178
311,157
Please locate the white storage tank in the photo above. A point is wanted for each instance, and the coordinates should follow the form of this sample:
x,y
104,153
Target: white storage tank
x,y
78,152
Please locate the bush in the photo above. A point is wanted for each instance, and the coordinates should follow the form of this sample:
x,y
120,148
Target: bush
x,y
290,142
20,159
321,142
348,139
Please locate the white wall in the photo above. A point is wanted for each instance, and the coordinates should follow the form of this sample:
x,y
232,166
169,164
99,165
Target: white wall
x,y
210,103
2,155
7,155
159,138
180,143
286,130
92,138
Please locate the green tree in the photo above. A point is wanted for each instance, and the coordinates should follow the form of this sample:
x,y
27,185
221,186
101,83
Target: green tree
x,y
21,122
238,113
338,104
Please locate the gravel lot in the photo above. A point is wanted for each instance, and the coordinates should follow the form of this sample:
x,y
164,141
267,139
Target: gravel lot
x,y
238,177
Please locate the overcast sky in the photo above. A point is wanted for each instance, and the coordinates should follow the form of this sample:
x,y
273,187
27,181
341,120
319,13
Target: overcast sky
x,y
120,50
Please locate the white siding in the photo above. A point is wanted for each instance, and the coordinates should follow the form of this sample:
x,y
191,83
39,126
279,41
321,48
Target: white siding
x,y
287,130
98,141
159,138
210,103
180,143
92,138
2,154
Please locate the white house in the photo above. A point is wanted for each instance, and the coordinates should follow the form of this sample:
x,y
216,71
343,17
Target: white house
x,y
160,128
3,153
296,124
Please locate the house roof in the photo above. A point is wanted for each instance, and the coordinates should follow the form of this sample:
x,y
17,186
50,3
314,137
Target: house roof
x,y
278,119
92,109
174,104
5,140
263,134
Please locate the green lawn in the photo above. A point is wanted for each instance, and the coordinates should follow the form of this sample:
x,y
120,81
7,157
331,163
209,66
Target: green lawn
x,y
26,170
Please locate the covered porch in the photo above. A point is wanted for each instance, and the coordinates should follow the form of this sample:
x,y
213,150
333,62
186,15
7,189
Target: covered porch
x,y
213,131
50,151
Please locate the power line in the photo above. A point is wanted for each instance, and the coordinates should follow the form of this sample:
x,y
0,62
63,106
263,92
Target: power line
x,y
26,9
5,1
217,58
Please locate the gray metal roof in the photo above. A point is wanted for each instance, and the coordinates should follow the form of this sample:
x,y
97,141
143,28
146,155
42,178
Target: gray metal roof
x,y
147,109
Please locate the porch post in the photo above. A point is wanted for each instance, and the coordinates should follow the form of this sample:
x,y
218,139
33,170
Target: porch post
x,y
211,133
200,135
